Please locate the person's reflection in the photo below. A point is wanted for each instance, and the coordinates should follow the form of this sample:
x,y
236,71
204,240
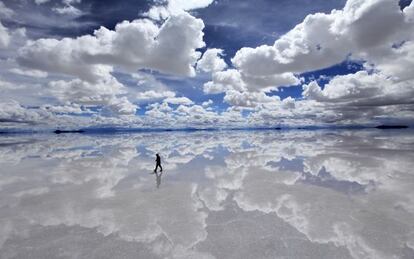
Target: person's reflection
x,y
158,178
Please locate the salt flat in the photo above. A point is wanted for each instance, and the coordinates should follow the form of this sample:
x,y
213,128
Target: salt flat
x,y
224,194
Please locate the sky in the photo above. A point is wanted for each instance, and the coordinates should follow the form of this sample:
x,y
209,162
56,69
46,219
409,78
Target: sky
x,y
205,63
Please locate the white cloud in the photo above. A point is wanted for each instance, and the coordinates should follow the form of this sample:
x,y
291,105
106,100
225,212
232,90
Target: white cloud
x,y
122,106
13,112
187,5
4,36
212,61
105,92
101,93
363,95
207,103
135,45
247,99
68,10
41,1
152,96
71,1
365,30
271,82
66,3
174,7
159,114
5,12
395,62
196,115
31,73
63,57
179,100
190,115
224,81
68,108
362,29
158,13
5,85
375,31
288,103
233,79
83,71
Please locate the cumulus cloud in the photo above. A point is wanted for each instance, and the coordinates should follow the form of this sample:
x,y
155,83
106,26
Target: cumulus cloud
x,y
65,8
41,1
153,96
5,12
190,115
376,32
105,92
179,100
248,100
140,44
4,36
187,5
100,92
207,103
197,115
364,95
122,106
5,85
29,72
89,62
323,40
224,81
212,61
13,112
72,108
360,88
68,10
173,7
96,69
233,79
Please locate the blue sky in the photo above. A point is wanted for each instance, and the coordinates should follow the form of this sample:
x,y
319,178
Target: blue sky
x,y
205,63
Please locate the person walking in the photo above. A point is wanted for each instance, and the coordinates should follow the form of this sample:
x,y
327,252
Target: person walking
x,y
158,162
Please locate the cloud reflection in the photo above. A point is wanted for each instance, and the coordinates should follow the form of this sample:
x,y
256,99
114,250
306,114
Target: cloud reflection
x,y
225,194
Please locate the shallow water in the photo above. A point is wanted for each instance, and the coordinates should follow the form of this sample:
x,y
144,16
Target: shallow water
x,y
230,194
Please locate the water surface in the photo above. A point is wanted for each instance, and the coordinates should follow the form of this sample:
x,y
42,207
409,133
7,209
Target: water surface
x,y
230,194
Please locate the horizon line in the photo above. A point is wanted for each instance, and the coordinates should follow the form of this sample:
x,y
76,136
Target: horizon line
x,y
103,130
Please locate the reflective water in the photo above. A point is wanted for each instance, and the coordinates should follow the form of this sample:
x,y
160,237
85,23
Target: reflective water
x,y
288,194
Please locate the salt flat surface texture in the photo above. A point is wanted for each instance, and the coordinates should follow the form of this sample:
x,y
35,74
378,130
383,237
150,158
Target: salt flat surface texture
x,y
230,194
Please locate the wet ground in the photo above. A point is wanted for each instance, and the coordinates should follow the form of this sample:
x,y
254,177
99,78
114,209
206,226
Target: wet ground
x,y
229,194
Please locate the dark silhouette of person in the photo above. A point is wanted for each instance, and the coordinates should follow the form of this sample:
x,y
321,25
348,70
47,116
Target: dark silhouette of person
x,y
158,163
